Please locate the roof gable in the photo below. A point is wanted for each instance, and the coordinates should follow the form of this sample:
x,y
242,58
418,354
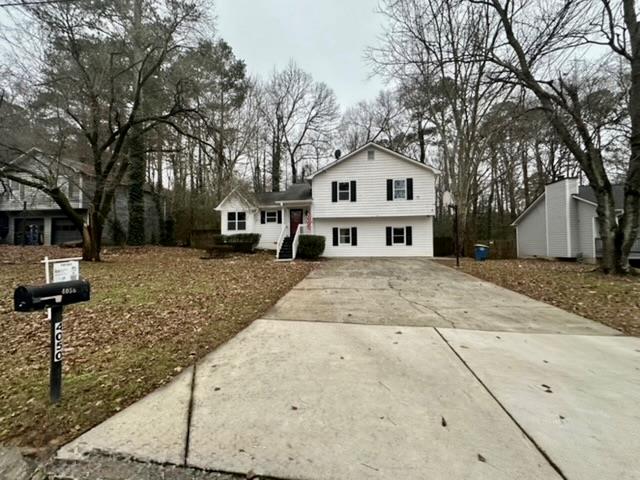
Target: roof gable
x,y
374,145
236,195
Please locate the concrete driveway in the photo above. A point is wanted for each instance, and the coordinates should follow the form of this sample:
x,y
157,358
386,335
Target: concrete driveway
x,y
398,368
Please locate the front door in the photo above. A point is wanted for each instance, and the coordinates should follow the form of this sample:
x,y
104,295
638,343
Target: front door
x,y
295,219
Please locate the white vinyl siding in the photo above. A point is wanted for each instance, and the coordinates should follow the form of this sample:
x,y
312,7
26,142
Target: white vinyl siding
x,y
558,211
371,179
372,237
586,229
532,233
236,205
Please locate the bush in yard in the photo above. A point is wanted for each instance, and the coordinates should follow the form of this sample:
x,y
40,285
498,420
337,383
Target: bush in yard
x,y
310,246
243,242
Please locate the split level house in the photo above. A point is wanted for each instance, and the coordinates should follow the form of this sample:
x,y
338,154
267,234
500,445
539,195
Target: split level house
x,y
371,202
562,223
29,216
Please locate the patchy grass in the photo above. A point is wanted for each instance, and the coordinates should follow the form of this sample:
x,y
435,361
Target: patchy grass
x,y
577,288
153,312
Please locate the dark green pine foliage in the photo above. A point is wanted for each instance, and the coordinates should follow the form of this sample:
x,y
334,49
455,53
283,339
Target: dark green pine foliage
x,y
137,172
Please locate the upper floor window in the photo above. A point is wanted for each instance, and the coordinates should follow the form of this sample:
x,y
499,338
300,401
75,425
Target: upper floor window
x,y
236,221
344,191
370,154
399,189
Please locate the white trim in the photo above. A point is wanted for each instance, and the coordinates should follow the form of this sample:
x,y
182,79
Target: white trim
x,y
340,242
232,192
433,170
546,224
568,222
593,235
588,202
526,210
348,184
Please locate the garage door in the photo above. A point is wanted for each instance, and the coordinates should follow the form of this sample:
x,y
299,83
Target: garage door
x,y
30,230
63,231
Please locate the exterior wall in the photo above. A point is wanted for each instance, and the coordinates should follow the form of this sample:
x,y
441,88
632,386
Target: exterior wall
x,y
371,188
559,213
532,232
14,199
372,237
235,204
586,232
270,232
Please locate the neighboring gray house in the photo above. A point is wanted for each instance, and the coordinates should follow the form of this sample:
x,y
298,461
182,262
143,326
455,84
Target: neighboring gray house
x,y
30,216
561,223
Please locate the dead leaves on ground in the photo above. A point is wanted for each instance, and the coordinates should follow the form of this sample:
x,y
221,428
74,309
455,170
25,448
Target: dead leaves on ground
x,y
577,288
153,311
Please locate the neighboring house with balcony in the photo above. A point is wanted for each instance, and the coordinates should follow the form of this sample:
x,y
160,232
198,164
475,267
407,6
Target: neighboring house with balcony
x,y
29,216
370,202
562,223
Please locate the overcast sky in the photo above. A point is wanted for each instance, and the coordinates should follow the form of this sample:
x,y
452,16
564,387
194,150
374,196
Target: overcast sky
x,y
326,38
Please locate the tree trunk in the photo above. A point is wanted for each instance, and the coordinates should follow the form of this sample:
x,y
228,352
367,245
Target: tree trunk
x,y
92,238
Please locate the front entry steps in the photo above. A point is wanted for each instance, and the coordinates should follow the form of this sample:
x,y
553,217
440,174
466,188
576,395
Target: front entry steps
x,y
286,250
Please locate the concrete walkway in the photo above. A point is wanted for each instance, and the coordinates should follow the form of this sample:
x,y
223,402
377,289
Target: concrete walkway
x,y
396,369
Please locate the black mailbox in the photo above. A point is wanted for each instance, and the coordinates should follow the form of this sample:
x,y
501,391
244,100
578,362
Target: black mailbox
x,y
39,297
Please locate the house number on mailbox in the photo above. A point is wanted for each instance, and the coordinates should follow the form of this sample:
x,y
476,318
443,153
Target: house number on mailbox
x,y
57,346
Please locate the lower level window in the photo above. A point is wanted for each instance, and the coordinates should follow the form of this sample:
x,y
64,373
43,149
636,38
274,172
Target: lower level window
x,y
398,235
345,236
236,221
271,216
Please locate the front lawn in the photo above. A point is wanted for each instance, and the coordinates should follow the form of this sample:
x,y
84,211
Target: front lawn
x,y
577,288
153,312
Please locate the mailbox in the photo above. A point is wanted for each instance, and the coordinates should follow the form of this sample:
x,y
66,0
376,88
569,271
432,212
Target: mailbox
x,y
39,297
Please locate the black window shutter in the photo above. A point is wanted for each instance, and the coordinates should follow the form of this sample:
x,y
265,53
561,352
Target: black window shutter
x,y
409,188
353,190
408,236
389,236
354,236
389,189
262,216
279,216
335,236
334,191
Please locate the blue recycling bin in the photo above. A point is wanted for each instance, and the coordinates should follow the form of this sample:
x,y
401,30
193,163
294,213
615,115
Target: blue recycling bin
x,y
481,252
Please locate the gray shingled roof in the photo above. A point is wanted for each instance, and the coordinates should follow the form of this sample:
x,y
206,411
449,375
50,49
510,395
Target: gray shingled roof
x,y
586,193
297,191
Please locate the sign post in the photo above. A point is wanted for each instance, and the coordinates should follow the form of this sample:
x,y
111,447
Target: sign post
x,y
55,377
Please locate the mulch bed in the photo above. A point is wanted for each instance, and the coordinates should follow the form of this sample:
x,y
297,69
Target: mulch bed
x,y
153,312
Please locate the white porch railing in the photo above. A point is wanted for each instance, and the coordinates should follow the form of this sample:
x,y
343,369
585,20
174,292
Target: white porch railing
x,y
296,239
281,239
305,230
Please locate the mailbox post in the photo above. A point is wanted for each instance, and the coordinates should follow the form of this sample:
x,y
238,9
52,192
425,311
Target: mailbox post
x,y
55,370
54,296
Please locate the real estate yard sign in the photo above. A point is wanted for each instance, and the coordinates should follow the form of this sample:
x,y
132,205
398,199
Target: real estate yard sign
x,y
66,271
